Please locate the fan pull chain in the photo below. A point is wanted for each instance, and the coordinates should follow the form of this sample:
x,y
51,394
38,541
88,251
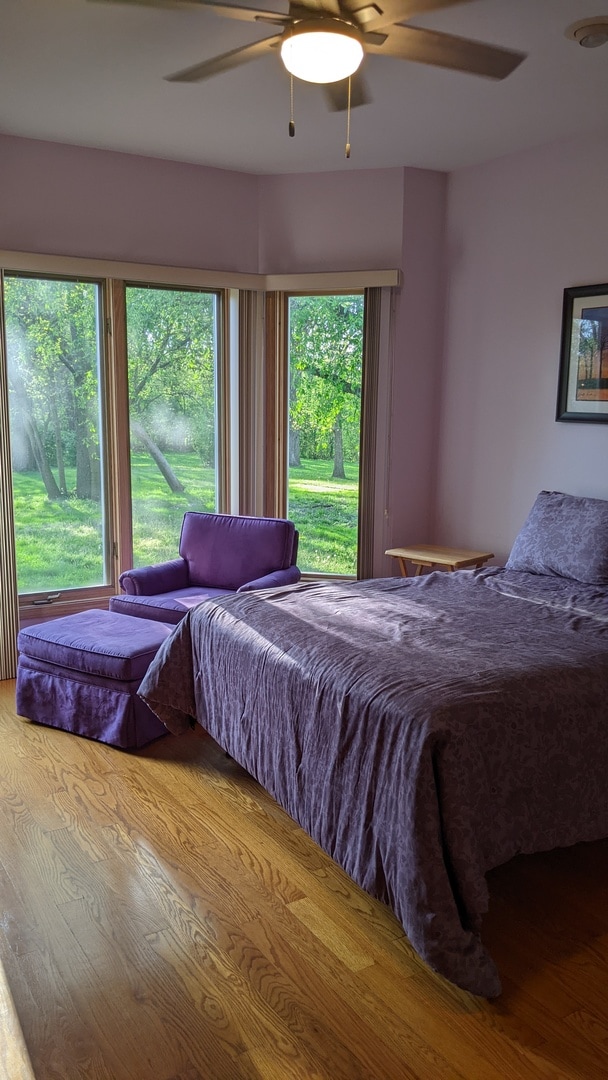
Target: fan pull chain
x,y
347,152
292,126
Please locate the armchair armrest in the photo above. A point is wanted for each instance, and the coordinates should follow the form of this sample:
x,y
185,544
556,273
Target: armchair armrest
x,y
273,580
150,580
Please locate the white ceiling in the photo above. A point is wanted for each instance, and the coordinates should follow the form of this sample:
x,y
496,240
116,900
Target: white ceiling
x,y
91,74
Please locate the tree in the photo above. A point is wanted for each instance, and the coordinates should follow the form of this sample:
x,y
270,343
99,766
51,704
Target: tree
x,y
32,434
338,469
52,362
588,349
53,350
326,359
171,349
157,456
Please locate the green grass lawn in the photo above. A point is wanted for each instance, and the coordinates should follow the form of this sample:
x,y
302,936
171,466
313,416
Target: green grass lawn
x,y
325,514
59,543
158,512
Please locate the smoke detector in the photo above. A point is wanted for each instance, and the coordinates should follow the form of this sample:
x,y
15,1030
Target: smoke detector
x,y
589,32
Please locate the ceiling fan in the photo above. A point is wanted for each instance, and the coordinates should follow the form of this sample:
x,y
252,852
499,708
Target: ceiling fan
x,y
324,41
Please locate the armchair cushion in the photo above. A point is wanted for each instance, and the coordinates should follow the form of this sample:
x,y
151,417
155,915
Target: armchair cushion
x,y
225,551
169,607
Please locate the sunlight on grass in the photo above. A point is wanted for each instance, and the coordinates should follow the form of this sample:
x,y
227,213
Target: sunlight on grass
x,y
59,544
325,513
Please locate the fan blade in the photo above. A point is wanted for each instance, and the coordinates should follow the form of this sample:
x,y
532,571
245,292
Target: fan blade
x,y
336,93
148,3
445,50
373,14
299,9
225,62
420,7
244,14
229,11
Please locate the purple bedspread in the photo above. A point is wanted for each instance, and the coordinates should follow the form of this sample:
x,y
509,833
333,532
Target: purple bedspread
x,y
421,730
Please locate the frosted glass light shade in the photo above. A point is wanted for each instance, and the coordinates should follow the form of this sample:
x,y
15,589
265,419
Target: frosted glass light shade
x,y
318,51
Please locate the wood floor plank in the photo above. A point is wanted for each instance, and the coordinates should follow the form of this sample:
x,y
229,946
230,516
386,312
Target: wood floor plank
x,y
254,850
354,1007
214,927
163,918
332,936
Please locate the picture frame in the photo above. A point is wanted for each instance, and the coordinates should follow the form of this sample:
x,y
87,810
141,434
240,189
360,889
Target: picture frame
x,y
582,394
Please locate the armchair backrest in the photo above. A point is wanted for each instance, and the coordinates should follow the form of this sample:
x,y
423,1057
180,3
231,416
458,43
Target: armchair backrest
x,y
226,550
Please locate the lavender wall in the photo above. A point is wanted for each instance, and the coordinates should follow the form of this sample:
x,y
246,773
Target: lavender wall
x,y
331,221
416,376
520,230
68,200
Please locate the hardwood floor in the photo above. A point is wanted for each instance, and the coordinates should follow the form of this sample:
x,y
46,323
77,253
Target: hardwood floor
x,y
163,919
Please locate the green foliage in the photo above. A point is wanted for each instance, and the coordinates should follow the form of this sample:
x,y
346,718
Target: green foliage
x,y
326,358
51,329
171,350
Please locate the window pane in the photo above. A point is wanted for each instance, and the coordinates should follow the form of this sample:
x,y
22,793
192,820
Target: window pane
x,y
325,369
53,359
172,360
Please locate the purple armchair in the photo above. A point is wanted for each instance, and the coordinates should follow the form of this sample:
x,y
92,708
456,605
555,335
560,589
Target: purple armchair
x,y
219,554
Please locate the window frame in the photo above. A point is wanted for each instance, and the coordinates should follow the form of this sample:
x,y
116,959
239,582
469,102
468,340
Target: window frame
x,y
378,290
282,474
112,280
249,411
38,601
223,410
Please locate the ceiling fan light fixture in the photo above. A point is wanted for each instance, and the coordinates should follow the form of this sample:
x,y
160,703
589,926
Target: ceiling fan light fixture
x,y
322,50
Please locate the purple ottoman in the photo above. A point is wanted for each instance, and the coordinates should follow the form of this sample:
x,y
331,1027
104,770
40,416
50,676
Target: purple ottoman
x,y
81,673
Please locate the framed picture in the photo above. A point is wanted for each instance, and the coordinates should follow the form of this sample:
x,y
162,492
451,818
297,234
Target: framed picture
x,y
583,370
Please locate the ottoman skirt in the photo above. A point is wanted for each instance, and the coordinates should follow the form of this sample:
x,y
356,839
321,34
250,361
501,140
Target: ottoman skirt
x,y
81,673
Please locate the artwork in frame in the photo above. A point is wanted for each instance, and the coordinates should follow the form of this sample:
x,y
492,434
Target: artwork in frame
x,y
583,371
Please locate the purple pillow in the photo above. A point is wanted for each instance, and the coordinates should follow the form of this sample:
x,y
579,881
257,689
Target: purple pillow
x,y
565,535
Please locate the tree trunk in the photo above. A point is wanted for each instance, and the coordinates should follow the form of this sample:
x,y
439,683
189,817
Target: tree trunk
x,y
338,473
33,438
83,462
95,474
42,464
157,456
294,447
88,468
58,447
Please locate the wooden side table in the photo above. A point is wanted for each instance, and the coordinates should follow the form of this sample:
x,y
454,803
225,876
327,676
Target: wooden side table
x,y
425,556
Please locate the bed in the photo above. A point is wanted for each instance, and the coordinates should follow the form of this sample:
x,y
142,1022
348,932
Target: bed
x,y
424,730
